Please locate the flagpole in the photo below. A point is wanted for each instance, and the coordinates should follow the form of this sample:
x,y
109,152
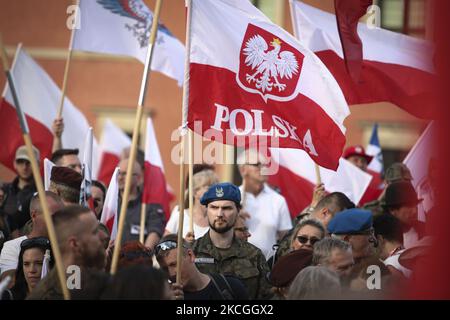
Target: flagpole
x,y
67,67
191,181
184,117
318,177
36,175
137,125
142,228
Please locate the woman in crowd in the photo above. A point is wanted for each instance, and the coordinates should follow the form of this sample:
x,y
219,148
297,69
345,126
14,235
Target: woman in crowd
x,y
34,262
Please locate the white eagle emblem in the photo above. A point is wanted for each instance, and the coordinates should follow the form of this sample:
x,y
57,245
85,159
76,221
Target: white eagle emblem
x,y
271,66
219,192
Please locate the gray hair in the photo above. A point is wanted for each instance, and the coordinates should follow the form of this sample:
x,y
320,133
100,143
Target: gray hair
x,y
315,282
308,222
324,248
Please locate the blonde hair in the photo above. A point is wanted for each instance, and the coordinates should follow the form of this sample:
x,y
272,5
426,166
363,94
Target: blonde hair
x,y
203,178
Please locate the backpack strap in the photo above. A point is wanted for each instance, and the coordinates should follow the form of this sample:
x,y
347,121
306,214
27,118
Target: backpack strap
x,y
222,285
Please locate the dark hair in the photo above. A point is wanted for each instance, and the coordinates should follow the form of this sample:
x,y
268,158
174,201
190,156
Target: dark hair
x,y
134,253
137,282
58,154
388,226
101,186
338,199
20,288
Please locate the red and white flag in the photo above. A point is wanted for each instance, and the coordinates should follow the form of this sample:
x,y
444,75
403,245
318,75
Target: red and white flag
x,y
421,161
395,67
39,97
296,178
155,186
113,141
250,78
110,208
122,27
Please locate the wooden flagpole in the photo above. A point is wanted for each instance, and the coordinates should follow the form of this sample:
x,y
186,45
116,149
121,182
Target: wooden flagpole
x,y
142,228
36,175
67,67
318,177
184,117
191,181
134,141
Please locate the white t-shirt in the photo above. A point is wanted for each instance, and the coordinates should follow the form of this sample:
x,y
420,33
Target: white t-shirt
x,y
393,261
172,224
10,254
269,214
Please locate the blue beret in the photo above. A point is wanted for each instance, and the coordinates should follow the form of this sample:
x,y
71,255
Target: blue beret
x,y
350,221
221,191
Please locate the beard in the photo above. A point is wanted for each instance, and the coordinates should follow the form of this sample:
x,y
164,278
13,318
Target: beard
x,y
221,229
94,258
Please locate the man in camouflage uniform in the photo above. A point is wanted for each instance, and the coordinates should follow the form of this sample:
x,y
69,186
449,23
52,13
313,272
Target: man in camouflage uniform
x,y
396,172
218,251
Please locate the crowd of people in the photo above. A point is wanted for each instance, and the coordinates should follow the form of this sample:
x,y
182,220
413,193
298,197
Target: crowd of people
x,y
244,243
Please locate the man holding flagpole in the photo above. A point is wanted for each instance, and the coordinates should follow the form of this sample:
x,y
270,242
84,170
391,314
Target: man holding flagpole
x,y
154,222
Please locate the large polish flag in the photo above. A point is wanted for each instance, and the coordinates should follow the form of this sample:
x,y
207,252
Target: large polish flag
x,y
250,78
112,142
122,27
110,208
155,186
421,161
296,178
395,67
39,97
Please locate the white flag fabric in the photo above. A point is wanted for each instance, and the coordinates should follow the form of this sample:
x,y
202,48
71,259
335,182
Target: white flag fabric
x,y
85,190
122,27
48,165
420,161
112,143
39,97
296,178
110,208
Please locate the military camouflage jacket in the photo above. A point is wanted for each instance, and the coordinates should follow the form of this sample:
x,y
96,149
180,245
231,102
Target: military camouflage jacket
x,y
242,260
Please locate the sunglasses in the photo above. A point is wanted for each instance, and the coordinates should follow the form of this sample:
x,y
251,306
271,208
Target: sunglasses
x,y
40,242
304,240
165,246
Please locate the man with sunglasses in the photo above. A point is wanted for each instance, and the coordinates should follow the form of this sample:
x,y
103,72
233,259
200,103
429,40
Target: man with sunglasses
x,y
219,251
195,284
18,193
355,227
268,217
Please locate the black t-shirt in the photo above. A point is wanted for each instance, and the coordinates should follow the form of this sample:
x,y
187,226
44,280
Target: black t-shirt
x,y
210,292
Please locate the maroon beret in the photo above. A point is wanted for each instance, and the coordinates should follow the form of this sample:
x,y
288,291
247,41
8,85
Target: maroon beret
x,y
288,266
67,177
